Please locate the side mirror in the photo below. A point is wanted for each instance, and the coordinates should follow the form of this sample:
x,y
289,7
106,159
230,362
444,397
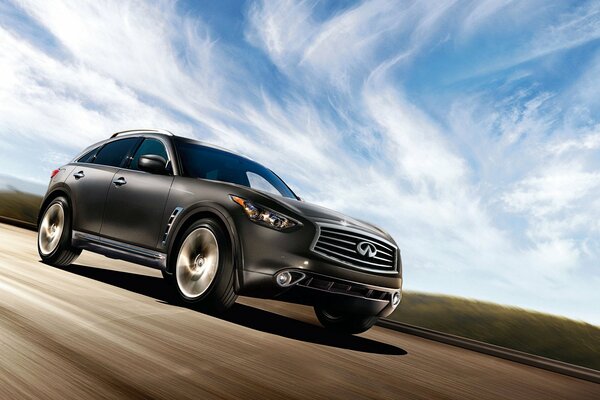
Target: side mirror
x,y
153,164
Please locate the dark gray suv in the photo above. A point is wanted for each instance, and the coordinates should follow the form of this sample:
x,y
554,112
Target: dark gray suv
x,y
217,225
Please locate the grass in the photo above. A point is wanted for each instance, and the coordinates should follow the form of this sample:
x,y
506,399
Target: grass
x,y
532,332
19,205
536,333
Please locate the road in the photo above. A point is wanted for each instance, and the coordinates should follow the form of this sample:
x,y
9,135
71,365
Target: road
x,y
108,329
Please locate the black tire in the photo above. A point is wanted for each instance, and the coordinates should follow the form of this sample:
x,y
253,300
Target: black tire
x,y
63,254
344,322
219,295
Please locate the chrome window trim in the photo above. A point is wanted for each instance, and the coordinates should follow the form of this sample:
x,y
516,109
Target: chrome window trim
x,y
169,146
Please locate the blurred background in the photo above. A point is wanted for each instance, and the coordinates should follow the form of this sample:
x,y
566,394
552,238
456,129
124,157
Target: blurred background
x,y
469,130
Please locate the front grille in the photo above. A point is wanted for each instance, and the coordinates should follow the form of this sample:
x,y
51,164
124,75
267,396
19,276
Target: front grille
x,y
342,244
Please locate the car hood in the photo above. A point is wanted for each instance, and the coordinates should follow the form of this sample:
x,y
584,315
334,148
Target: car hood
x,y
323,214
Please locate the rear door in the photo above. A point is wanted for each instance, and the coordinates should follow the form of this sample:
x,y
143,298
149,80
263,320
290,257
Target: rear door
x,y
136,200
90,180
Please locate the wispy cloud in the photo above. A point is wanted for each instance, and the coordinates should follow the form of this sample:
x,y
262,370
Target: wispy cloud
x,y
556,190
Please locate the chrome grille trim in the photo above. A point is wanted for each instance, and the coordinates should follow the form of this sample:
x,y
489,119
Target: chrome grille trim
x,y
338,243
369,238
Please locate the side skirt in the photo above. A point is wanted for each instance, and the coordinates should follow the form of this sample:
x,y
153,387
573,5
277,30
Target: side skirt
x,y
119,250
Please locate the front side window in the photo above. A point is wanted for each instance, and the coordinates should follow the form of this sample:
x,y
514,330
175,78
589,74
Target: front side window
x,y
115,153
208,163
149,146
258,182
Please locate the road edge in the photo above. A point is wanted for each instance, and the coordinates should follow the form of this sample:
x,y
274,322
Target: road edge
x,y
532,360
465,343
17,222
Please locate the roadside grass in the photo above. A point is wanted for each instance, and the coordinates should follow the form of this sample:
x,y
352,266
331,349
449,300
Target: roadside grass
x,y
528,331
20,205
532,332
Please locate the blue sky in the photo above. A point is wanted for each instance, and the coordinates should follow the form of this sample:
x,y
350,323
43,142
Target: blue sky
x,y
468,129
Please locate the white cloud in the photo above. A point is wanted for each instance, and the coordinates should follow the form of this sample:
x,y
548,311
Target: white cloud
x,y
572,29
345,48
557,189
589,141
282,28
66,102
135,43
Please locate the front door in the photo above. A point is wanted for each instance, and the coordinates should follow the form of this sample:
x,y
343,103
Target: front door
x,y
136,201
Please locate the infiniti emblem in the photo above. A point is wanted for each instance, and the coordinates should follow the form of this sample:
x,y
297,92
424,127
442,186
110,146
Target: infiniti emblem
x,y
366,249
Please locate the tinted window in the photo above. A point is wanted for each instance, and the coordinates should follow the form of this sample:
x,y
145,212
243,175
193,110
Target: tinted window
x,y
207,163
115,153
149,146
89,156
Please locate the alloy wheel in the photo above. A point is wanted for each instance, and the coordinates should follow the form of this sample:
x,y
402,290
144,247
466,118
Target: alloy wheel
x,y
197,263
51,228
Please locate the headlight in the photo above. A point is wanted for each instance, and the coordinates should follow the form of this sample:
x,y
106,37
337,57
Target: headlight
x,y
264,216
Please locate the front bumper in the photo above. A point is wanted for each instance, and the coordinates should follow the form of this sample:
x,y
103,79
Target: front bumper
x,y
310,288
267,252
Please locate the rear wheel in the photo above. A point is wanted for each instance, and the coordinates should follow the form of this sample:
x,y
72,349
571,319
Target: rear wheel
x,y
203,270
54,234
344,322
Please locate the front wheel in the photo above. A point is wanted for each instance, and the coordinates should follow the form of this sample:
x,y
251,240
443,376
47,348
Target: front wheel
x,y
203,270
54,234
344,322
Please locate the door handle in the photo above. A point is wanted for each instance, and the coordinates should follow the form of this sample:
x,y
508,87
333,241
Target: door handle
x,y
79,175
120,182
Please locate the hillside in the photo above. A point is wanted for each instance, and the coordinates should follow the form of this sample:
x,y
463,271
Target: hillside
x,y
19,205
532,332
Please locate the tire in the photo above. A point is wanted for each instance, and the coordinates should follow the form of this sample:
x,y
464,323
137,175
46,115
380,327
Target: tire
x,y
54,234
202,268
344,322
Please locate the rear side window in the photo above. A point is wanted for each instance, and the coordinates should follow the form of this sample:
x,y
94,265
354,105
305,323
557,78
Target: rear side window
x,y
149,146
89,156
115,153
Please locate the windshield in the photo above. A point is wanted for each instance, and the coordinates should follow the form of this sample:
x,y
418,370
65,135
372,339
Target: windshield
x,y
208,163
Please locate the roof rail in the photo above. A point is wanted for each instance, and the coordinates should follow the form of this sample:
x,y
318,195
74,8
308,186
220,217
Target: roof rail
x,y
163,131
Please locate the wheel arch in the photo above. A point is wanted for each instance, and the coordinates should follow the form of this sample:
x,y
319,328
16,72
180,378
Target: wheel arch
x,y
59,190
221,216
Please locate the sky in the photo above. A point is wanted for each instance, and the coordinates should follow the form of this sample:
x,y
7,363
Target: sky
x,y
470,130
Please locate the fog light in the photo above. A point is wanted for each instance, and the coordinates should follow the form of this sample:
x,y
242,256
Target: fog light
x,y
284,279
396,298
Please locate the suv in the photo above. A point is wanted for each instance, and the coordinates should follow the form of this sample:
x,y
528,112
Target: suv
x,y
217,225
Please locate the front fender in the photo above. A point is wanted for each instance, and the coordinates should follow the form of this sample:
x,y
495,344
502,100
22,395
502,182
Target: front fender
x,y
206,209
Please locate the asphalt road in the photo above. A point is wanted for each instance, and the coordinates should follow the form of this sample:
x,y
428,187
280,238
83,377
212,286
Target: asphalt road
x,y
108,329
